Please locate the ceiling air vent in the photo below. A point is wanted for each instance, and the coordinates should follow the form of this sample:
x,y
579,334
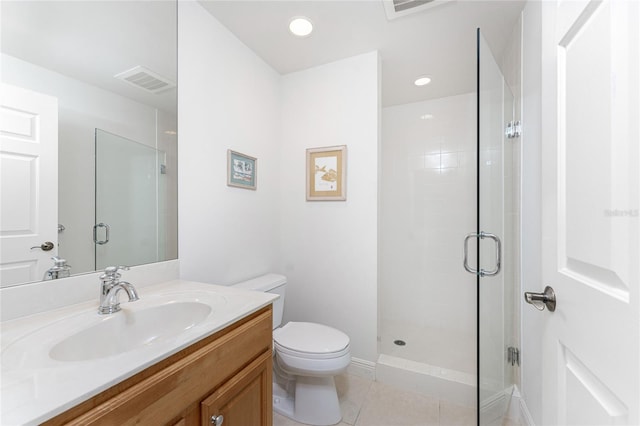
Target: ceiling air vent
x,y
146,79
397,8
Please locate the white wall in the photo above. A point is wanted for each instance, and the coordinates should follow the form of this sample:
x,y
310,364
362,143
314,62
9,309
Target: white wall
x,y
82,109
531,207
228,99
329,249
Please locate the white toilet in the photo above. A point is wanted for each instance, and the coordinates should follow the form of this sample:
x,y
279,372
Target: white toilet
x,y
306,358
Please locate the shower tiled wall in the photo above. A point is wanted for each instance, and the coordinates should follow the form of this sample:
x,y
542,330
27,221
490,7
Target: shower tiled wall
x,y
428,205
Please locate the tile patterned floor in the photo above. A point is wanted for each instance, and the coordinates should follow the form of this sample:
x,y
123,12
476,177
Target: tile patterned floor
x,y
367,403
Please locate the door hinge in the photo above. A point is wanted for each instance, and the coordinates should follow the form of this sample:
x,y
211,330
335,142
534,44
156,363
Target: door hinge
x,y
513,130
513,355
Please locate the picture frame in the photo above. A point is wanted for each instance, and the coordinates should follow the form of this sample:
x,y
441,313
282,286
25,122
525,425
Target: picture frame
x,y
242,170
327,173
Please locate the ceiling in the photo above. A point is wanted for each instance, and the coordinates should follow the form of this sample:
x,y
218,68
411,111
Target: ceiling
x,y
92,41
118,35
439,41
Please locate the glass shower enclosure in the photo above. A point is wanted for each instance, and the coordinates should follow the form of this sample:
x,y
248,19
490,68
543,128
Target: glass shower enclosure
x,y
130,202
495,241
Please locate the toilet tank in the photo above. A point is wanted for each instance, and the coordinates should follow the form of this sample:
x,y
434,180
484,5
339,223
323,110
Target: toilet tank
x,y
269,283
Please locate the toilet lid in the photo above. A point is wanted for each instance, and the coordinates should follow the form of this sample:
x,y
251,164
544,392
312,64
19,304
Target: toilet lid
x,y
310,338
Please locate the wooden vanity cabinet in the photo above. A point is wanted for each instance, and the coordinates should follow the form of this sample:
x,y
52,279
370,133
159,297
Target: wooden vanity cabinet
x,y
240,401
227,374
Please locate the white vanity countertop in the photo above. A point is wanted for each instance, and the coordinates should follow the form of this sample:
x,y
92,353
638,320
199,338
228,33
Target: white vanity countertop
x,y
35,387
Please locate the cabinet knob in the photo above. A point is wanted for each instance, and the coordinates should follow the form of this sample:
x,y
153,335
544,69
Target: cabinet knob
x,y
217,420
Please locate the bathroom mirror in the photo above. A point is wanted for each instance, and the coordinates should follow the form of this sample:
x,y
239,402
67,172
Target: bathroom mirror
x,y
110,69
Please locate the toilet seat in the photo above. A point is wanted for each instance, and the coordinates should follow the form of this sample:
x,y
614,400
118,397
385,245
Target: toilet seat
x,y
306,355
310,340
310,349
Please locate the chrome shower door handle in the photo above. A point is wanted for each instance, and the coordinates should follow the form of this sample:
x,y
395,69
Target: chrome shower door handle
x,y
482,235
95,233
498,266
465,254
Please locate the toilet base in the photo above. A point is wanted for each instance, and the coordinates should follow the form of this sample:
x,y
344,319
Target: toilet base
x,y
315,402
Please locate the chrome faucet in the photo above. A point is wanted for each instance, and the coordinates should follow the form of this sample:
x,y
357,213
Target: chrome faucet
x,y
60,269
110,287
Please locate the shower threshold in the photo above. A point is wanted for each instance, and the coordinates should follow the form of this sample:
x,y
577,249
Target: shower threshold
x,y
442,383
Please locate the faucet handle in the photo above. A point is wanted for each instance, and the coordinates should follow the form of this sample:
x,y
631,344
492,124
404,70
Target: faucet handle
x,y
111,272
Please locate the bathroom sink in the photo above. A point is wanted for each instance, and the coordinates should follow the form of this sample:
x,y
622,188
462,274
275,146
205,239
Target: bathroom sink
x,y
144,328
52,360
129,330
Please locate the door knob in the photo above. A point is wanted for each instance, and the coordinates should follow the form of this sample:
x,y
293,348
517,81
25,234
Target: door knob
x,y
46,246
540,300
217,420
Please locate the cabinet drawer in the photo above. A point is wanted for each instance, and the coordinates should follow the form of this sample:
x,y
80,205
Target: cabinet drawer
x,y
163,396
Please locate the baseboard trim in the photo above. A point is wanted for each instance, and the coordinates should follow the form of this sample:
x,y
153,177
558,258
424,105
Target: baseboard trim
x,y
494,408
518,407
362,368
525,415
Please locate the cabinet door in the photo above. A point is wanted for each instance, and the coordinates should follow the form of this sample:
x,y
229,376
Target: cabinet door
x,y
189,417
243,400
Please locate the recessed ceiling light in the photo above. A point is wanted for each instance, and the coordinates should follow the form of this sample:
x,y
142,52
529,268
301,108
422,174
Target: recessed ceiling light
x,y
422,80
300,26
426,116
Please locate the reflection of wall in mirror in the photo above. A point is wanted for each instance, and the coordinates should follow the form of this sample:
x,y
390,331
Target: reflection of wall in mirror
x,y
82,109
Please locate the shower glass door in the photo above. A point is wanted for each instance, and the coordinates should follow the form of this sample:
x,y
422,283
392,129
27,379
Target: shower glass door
x,y
494,242
129,202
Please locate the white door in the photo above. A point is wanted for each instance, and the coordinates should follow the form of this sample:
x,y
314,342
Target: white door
x,y
591,223
28,184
